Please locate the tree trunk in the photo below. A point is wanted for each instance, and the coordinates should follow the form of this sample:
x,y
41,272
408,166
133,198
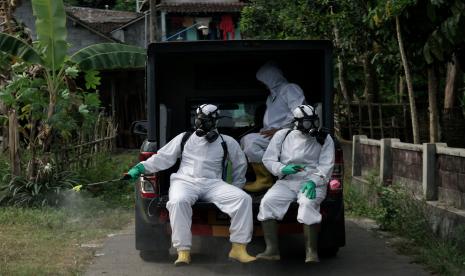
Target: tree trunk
x,y
342,79
14,143
46,134
4,76
401,89
341,67
409,81
154,34
453,80
370,92
433,87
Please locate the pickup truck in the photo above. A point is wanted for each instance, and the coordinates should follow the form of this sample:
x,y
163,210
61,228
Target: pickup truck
x,y
182,75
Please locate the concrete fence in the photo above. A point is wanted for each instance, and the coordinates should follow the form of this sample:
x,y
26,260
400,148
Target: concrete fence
x,y
433,172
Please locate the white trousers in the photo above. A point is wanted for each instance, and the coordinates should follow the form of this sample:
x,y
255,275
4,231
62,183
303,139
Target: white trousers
x,y
254,146
185,191
277,199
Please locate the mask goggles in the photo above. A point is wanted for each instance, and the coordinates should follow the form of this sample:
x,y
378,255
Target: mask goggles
x,y
309,124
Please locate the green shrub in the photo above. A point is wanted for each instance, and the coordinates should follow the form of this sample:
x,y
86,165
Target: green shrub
x,y
109,167
396,209
52,187
45,190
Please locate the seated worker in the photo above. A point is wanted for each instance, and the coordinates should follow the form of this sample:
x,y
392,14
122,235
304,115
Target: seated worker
x,y
200,177
303,159
283,98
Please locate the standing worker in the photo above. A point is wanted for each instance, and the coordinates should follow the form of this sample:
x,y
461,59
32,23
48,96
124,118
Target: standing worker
x,y
283,98
203,157
303,159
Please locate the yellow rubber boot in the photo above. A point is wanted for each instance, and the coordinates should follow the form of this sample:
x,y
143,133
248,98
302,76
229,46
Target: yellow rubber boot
x,y
311,243
263,181
184,258
239,252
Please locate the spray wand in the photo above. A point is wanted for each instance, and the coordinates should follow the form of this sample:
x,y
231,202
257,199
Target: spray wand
x,y
79,187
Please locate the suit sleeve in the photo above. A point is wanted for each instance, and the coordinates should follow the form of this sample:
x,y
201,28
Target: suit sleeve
x,y
239,163
325,163
165,157
273,152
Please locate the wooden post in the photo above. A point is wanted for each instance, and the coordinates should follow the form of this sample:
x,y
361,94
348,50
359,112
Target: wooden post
x,y
370,120
393,127
4,129
349,119
360,131
404,107
154,34
356,155
14,143
380,114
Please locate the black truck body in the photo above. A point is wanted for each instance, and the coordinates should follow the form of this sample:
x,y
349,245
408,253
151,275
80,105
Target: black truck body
x,y
182,75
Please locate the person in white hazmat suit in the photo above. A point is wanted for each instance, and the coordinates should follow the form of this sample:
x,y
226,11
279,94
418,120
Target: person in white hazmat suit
x,y
283,98
200,177
303,159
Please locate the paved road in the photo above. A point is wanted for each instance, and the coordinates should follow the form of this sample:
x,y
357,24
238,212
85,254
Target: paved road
x,y
364,254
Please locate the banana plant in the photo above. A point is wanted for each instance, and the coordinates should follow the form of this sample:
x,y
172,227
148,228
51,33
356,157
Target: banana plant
x,y
50,49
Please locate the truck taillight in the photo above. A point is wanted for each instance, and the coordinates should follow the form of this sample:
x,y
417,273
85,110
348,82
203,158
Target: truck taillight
x,y
148,187
144,155
335,186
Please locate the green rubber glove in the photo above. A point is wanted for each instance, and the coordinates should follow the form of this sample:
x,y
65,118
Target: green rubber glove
x,y
134,173
292,169
309,189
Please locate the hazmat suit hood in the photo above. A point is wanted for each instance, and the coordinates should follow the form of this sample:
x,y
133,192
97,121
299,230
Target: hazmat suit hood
x,y
270,75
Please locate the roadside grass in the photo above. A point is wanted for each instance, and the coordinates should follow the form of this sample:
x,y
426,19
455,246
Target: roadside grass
x,y
49,241
397,211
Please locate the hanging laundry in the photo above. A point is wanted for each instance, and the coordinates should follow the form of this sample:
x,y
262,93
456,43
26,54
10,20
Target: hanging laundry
x,y
227,26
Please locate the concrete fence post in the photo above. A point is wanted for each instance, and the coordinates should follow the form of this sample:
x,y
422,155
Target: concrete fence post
x,y
430,188
385,168
356,155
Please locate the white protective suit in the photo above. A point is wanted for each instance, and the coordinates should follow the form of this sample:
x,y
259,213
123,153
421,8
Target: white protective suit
x,y
283,99
297,148
199,177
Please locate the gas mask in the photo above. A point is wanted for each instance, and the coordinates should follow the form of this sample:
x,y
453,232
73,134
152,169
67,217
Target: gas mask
x,y
206,121
306,120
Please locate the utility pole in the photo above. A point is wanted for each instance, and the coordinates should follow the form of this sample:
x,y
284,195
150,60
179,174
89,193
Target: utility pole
x,y
154,33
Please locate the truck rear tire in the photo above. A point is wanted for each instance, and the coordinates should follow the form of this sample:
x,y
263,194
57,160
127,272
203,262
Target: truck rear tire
x,y
328,252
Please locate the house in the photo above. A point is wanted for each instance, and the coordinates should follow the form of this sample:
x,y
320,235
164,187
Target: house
x,y
85,26
200,20
185,20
